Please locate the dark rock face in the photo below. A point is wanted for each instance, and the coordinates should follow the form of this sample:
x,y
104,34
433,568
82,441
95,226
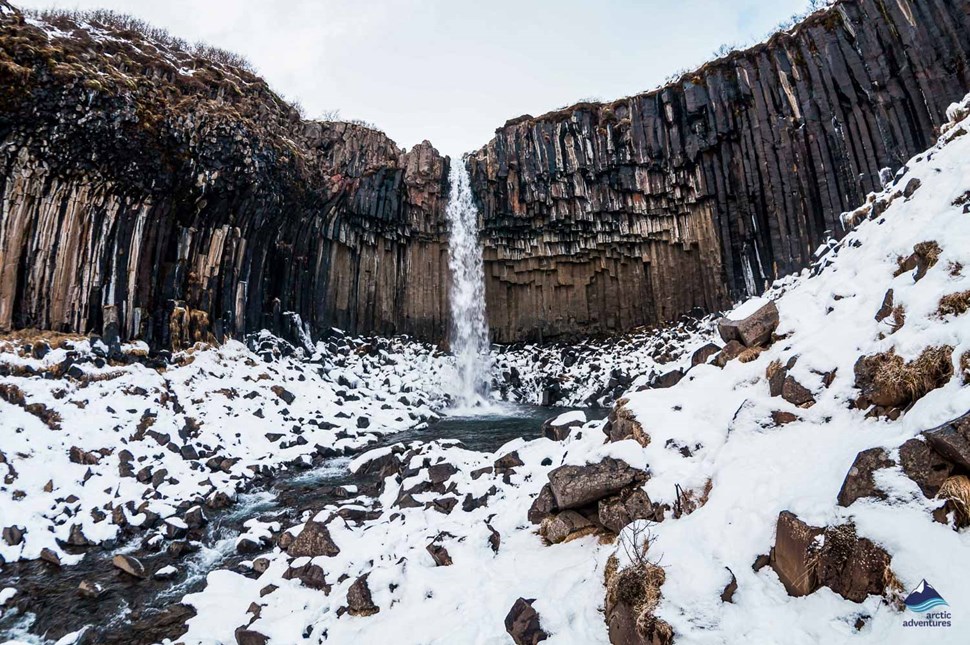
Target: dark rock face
x,y
807,558
712,186
177,208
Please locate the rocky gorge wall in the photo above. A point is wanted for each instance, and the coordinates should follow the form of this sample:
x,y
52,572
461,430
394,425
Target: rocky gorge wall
x,y
604,216
158,192
149,192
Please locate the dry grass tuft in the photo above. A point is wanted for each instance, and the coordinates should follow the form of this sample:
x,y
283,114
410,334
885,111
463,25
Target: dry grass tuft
x,y
638,587
954,304
749,354
956,491
888,381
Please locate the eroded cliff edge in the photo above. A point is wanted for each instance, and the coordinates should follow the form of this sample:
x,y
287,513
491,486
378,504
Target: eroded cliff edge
x,y
166,195
605,216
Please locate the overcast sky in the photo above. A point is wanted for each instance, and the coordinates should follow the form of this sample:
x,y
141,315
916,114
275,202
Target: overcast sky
x,y
451,71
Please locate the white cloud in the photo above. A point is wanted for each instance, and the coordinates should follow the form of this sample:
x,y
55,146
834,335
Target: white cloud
x,y
451,71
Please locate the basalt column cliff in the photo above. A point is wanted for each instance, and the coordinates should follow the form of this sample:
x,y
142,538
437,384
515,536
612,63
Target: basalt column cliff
x,y
154,193
602,217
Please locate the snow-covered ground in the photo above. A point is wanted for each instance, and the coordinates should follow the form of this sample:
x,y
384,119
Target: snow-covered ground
x,y
154,442
713,433
713,429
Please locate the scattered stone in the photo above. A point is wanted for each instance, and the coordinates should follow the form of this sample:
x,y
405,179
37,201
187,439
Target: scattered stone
x,y
704,354
924,466
440,473
753,331
559,428
310,576
494,538
90,589
952,440
522,623
731,350
166,573
250,637
792,555
781,417
667,380
49,556
359,600
543,506
129,564
859,481
287,396
440,555
807,558
631,504
13,535
566,526
728,594
576,486
312,541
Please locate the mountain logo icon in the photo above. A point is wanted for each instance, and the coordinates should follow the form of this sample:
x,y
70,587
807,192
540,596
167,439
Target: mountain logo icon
x,y
924,598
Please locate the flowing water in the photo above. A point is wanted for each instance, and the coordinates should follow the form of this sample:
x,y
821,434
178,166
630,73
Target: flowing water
x,y
131,611
469,326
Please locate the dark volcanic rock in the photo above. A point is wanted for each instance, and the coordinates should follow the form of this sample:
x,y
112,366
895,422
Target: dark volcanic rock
x,y
754,330
543,506
522,623
924,466
211,207
952,440
706,189
359,600
312,541
806,558
859,481
576,486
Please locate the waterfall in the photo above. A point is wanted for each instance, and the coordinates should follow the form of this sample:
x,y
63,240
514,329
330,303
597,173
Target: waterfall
x,y
469,327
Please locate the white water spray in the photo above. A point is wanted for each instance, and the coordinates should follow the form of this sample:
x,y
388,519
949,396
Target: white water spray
x,y
469,327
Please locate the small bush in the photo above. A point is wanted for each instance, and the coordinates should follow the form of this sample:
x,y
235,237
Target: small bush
x,y
888,381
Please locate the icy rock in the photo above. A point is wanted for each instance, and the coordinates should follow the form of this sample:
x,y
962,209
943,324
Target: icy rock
x,y
952,440
522,623
753,330
543,506
359,600
924,466
129,564
807,558
440,555
90,589
704,354
565,526
13,535
246,636
859,481
616,512
558,428
312,541
576,486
